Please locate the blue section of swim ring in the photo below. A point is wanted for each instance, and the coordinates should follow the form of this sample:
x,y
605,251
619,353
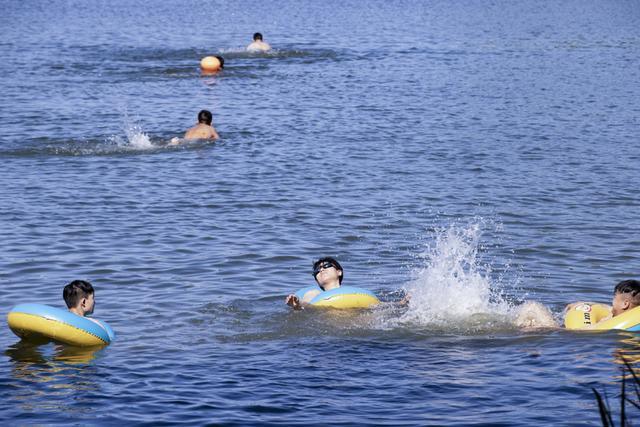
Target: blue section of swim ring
x,y
301,292
635,328
107,328
105,333
342,290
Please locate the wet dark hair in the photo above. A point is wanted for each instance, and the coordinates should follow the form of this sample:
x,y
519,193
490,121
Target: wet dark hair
x,y
205,116
333,262
257,36
629,287
75,291
221,59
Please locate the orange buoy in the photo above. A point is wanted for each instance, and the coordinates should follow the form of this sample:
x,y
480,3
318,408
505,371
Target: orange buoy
x,y
210,63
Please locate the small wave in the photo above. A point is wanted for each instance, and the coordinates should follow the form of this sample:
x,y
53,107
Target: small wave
x,y
242,53
114,145
134,140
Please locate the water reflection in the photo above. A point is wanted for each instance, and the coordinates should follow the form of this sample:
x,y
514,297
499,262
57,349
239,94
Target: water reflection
x,y
24,352
629,352
627,403
52,376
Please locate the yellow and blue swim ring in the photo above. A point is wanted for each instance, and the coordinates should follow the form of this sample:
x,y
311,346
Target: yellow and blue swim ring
x,y
588,315
342,297
39,322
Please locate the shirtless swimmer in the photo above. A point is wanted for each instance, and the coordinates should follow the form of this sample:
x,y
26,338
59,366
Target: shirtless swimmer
x,y
203,130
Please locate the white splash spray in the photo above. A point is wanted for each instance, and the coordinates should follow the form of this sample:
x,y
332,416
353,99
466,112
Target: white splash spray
x,y
453,290
136,138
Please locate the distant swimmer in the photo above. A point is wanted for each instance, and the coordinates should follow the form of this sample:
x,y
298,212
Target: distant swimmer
x,y
328,274
203,130
258,45
211,64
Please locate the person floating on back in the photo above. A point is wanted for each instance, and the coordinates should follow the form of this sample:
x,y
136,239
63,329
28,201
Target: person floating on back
x,y
203,130
328,274
258,45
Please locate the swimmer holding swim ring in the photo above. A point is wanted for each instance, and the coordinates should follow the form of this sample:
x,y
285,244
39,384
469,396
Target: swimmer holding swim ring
x,y
328,274
622,314
41,323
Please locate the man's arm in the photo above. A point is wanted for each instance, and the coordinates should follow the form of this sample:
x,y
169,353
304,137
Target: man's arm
x,y
213,134
298,304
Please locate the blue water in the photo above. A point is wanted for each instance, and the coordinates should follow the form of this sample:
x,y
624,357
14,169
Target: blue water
x,y
485,152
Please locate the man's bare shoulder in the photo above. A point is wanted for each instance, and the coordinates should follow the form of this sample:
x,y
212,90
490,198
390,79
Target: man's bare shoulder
x,y
258,47
200,132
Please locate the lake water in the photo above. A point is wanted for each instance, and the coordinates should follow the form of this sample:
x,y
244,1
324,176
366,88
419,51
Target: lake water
x,y
475,153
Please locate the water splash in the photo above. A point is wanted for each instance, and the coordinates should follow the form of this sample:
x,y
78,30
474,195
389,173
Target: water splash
x,y
454,290
136,138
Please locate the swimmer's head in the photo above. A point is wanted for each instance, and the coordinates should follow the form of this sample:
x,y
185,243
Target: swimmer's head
x,y
626,296
211,64
327,262
205,117
79,294
257,37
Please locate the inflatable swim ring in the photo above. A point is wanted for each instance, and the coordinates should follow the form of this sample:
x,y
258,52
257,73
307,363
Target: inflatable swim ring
x,y
583,315
39,322
342,297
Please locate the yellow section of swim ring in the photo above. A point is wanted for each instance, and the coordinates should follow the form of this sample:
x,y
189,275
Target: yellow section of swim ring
x,y
29,326
348,301
587,315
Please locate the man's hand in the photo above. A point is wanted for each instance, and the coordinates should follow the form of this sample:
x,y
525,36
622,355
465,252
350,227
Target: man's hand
x,y
293,302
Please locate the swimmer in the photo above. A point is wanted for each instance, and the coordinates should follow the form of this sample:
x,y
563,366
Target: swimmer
x,y
626,295
203,130
211,64
79,297
328,274
258,45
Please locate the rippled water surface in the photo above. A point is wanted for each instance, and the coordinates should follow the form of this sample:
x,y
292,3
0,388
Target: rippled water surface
x,y
475,154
